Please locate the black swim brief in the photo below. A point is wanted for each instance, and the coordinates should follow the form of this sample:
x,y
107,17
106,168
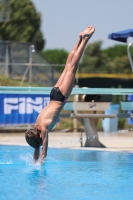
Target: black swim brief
x,y
56,95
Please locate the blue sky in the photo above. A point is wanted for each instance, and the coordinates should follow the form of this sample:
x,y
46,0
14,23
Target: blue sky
x,y
63,20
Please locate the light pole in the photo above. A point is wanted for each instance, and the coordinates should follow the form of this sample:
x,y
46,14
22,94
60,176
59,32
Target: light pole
x,y
31,50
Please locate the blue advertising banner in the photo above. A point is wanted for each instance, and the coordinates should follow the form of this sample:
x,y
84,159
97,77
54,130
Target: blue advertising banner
x,y
21,109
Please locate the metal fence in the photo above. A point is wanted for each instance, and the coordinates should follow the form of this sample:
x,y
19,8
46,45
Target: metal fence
x,y
20,61
4,10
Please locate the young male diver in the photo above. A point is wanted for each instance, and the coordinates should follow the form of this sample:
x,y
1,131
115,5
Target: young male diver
x,y
46,120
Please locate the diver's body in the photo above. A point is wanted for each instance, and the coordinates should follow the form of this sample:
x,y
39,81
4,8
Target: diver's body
x,y
59,94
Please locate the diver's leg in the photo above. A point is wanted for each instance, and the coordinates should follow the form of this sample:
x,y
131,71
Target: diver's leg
x,y
68,81
69,59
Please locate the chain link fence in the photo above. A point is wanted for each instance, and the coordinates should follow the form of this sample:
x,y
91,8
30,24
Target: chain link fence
x,y
4,10
20,61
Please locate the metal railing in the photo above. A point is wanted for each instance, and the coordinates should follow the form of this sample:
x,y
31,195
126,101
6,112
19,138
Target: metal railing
x,y
20,61
129,54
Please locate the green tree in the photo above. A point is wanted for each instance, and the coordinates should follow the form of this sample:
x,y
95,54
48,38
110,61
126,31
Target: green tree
x,y
120,65
116,51
56,56
94,60
119,60
23,25
110,60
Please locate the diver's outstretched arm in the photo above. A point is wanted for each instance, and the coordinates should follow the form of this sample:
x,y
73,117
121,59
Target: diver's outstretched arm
x,y
36,154
44,146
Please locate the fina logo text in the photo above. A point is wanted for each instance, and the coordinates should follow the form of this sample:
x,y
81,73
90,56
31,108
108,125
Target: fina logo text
x,y
25,105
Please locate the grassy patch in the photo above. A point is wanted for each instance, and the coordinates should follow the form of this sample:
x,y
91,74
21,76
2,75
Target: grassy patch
x,y
11,82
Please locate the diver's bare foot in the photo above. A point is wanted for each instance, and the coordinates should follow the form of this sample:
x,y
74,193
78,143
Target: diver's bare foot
x,y
88,32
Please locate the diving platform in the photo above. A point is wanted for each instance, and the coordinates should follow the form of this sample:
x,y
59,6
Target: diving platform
x,y
87,113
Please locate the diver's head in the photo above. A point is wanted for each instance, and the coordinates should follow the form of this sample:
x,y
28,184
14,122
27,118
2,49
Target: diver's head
x,y
33,138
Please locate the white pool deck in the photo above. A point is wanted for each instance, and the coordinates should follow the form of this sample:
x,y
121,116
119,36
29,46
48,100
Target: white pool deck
x,y
120,141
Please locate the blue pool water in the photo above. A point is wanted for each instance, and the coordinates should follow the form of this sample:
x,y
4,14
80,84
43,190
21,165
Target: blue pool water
x,y
66,175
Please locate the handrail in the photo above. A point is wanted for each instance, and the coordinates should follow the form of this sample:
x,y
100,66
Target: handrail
x,y
73,115
129,54
46,90
119,115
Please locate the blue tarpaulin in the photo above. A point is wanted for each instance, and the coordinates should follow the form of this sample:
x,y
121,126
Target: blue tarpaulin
x,y
121,36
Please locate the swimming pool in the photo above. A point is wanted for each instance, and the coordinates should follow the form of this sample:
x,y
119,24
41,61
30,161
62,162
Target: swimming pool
x,y
66,175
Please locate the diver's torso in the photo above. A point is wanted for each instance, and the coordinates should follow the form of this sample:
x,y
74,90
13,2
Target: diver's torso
x,y
49,115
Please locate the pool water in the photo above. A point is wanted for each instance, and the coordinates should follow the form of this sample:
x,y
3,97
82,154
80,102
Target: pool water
x,y
66,175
